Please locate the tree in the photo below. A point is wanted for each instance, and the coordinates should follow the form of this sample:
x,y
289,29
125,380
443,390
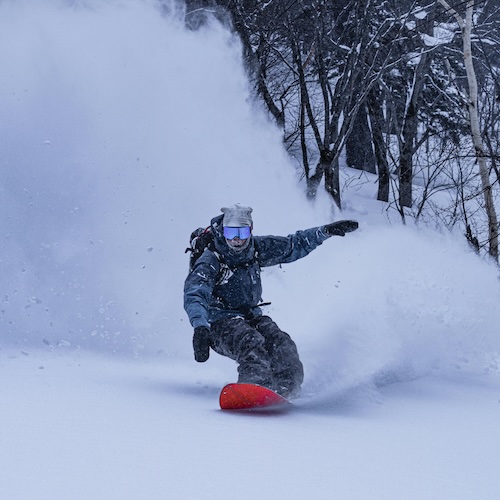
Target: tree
x,y
465,23
378,127
359,144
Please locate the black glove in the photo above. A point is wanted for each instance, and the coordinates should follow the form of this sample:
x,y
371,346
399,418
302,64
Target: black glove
x,y
201,343
340,228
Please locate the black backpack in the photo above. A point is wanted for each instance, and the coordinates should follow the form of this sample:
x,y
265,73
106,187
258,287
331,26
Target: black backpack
x,y
200,239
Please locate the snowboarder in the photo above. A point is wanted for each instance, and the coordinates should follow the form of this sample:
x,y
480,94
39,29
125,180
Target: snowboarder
x,y
223,294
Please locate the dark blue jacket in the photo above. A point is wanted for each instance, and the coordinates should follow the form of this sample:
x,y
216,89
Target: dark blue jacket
x,y
225,283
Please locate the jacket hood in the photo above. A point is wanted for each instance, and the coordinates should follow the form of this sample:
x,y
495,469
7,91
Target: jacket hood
x,y
231,257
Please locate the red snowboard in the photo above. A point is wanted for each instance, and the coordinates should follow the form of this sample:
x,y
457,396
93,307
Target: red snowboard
x,y
249,396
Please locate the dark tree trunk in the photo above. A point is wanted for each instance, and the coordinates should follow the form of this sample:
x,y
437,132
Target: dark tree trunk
x,y
328,168
359,150
377,126
332,181
406,175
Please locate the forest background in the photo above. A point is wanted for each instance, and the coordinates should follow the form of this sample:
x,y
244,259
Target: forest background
x,y
406,91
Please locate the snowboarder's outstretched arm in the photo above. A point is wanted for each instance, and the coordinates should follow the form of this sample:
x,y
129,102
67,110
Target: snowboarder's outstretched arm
x,y
274,250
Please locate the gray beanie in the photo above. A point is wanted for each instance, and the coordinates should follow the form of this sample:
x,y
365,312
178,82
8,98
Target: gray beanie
x,y
237,216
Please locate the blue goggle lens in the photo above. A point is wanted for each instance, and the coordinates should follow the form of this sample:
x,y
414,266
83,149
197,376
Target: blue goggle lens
x,y
237,232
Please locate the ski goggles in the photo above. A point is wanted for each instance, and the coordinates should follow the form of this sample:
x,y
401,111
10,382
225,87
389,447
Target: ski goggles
x,y
237,232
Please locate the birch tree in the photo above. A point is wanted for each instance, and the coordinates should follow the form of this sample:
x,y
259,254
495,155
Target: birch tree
x,y
465,23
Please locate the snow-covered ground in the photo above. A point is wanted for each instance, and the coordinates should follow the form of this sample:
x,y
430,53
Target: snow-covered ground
x,y
81,426
121,132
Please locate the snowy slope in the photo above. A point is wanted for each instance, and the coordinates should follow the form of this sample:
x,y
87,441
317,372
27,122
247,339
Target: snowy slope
x,y
122,132
80,426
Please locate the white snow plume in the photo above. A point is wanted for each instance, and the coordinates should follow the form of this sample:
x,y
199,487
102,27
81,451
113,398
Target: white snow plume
x,y
121,132
400,304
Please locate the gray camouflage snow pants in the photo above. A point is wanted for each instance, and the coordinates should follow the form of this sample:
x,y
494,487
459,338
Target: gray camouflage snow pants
x,y
265,354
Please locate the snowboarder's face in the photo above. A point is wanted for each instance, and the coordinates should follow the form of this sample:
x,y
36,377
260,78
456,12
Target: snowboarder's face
x,y
237,238
237,244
